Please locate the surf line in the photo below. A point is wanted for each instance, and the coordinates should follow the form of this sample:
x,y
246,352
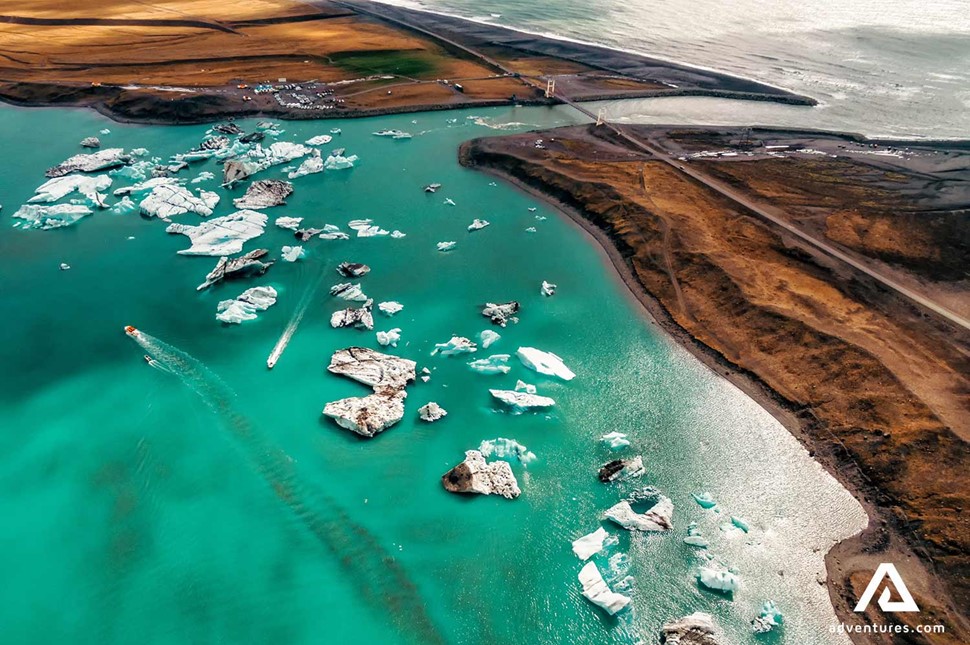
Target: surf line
x,y
295,320
380,579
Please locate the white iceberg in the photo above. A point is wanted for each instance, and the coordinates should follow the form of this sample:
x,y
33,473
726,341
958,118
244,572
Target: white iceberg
x,y
390,307
522,386
319,140
396,234
222,235
544,362
456,345
475,475
449,201
292,253
367,415
279,152
289,223
446,246
394,134
548,289
503,448
531,229
522,400
123,207
100,160
246,304
488,337
615,440
695,629
331,232
389,337
48,217
348,291
91,187
310,166
597,592
589,545
205,175
339,162
366,228
656,518
718,579
694,537
478,224
431,412
494,364
740,523
169,199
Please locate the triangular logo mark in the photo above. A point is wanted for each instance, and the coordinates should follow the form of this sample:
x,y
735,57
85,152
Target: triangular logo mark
x,y
882,572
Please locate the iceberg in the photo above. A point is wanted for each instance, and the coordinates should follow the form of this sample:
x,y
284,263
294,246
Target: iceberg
x,y
205,175
589,545
319,140
656,518
390,337
292,253
695,629
365,228
475,475
382,372
396,234
91,187
289,223
522,386
90,142
457,345
310,166
244,266
500,314
361,318
367,415
548,289
768,619
124,207
168,199
704,500
494,364
597,592
331,232
477,224
65,266
621,469
488,337
446,246
718,579
503,448
531,229
93,162
615,440
222,235
339,162
235,170
394,134
352,269
432,188
264,193
740,523
544,362
48,217
246,304
694,537
390,307
348,291
277,153
522,400
431,412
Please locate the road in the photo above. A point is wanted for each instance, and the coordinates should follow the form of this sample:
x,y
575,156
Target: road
x,y
777,218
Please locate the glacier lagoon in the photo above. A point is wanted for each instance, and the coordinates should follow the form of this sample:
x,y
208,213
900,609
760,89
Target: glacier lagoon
x,y
219,505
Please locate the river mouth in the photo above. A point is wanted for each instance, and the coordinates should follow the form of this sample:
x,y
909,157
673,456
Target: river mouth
x,y
174,532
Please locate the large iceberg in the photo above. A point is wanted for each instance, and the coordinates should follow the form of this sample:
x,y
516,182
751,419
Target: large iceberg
x,y
246,304
657,517
370,367
367,415
475,475
168,199
93,162
387,375
494,364
265,193
456,345
48,217
589,545
222,235
59,187
279,152
244,266
597,592
544,362
522,400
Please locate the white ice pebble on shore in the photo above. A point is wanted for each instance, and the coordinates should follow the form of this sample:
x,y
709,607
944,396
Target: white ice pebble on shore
x,y
488,337
223,235
718,579
91,187
390,307
502,448
389,337
615,440
289,223
544,362
292,253
597,592
246,304
478,224
590,544
446,246
48,217
456,345
494,364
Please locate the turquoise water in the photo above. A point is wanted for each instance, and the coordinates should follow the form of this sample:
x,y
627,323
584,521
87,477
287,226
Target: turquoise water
x,y
215,504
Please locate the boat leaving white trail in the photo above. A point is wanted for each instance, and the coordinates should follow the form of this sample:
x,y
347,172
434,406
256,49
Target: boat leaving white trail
x,y
381,580
295,320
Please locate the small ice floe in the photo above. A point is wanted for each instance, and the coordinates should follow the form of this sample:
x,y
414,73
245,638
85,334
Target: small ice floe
x,y
396,234
393,134
310,166
457,345
488,337
544,362
265,193
621,469
431,412
695,629
92,188
91,142
139,152
548,289
740,523
292,253
522,386
319,140
92,162
425,374
449,201
65,266
704,500
532,209
615,440
500,314
339,162
243,266
694,537
768,619
205,175
227,128
235,170
48,217
531,229
521,401
540,218
289,223
718,579
475,475
367,415
389,337
432,188
478,224
361,318
352,269
335,131
366,228
331,232
446,246
348,291
597,592
246,304
494,364
390,307
656,517
589,545
492,183
222,235
502,448
104,131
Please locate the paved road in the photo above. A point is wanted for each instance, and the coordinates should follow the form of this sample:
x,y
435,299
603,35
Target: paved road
x,y
776,217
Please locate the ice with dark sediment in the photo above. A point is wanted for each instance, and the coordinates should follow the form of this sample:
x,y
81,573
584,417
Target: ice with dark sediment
x,y
387,375
246,304
501,314
90,162
621,469
352,269
361,318
768,619
222,235
90,142
476,475
264,193
348,291
696,629
245,266
367,415
656,517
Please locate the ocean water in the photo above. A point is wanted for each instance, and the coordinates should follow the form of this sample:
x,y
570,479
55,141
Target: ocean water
x,y
897,69
214,503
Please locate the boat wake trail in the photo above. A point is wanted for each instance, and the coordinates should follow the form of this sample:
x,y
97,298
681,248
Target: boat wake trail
x,y
381,581
295,320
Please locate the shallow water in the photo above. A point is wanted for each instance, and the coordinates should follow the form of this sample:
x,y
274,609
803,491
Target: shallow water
x,y
223,507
